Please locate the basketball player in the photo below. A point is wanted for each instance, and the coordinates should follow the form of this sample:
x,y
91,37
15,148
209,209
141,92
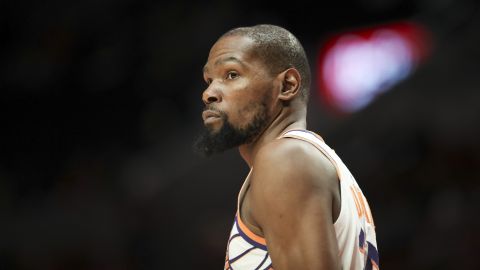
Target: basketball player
x,y
299,207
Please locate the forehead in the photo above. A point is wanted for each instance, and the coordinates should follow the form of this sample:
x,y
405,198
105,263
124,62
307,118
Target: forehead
x,y
230,48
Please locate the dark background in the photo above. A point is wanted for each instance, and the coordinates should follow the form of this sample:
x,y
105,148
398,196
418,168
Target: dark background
x,y
100,102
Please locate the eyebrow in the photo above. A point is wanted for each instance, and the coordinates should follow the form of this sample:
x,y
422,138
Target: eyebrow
x,y
224,60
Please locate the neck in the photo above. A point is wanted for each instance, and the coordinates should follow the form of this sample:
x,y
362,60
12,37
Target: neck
x,y
286,119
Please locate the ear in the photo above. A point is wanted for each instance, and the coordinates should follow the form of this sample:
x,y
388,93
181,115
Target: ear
x,y
291,81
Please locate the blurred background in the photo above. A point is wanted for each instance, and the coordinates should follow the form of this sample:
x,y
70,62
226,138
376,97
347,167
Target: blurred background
x,y
100,103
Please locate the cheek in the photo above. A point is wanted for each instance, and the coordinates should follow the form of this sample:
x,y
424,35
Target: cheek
x,y
247,104
248,113
236,114
239,113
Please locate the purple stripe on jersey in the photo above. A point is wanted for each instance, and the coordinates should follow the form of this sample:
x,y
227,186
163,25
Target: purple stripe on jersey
x,y
361,239
248,239
373,253
266,268
241,255
233,237
264,259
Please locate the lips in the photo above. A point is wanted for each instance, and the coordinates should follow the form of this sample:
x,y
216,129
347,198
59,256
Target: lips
x,y
210,115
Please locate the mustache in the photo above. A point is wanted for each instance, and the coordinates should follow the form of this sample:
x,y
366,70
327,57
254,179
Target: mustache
x,y
212,108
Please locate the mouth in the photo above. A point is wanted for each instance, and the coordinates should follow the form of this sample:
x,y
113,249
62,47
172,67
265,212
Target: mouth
x,y
210,116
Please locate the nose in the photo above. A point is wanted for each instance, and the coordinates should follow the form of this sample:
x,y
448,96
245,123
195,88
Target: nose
x,y
211,95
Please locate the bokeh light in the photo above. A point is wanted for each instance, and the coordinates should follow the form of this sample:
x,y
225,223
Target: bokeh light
x,y
355,67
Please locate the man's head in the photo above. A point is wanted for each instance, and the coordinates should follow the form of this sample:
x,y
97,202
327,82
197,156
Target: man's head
x,y
252,74
279,49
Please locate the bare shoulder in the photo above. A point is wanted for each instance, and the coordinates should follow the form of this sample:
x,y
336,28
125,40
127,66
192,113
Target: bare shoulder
x,y
292,181
288,164
293,156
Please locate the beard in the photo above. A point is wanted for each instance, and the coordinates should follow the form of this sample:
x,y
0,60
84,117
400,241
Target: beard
x,y
210,142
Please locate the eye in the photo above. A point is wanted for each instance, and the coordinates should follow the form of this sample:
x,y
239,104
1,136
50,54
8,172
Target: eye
x,y
232,75
208,81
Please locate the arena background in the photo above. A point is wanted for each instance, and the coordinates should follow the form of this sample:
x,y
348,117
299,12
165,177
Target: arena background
x,y
100,102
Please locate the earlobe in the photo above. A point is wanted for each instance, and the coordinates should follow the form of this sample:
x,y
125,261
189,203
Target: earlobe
x,y
291,81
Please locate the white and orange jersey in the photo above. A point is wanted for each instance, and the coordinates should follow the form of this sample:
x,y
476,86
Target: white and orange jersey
x,y
354,227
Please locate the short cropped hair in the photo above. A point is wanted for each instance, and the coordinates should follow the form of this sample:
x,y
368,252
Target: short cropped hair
x,y
279,49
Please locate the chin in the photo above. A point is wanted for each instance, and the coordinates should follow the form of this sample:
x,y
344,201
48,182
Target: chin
x,y
214,129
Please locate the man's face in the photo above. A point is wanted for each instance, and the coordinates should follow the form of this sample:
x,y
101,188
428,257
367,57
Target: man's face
x,y
239,97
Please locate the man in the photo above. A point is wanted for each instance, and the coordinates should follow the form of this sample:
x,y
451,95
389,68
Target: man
x,y
299,208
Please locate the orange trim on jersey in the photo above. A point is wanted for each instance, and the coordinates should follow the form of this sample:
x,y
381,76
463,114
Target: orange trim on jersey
x,y
362,202
249,233
357,203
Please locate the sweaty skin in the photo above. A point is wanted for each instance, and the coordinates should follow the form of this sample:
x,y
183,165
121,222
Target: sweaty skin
x,y
292,197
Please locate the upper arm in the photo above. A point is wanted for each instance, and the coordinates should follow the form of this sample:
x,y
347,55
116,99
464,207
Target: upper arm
x,y
292,196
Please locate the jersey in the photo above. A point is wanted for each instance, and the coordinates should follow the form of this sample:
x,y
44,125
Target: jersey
x,y
354,227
